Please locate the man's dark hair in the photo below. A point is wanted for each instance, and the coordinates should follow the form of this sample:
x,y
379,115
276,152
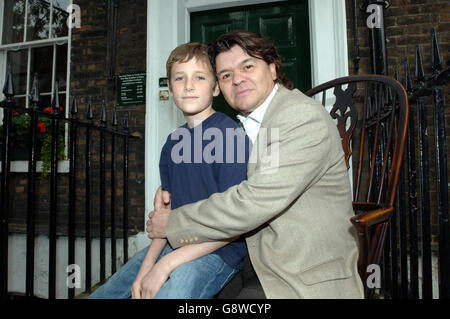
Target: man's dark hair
x,y
255,45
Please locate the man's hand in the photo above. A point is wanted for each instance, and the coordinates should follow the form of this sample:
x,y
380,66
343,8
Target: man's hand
x,y
161,200
157,223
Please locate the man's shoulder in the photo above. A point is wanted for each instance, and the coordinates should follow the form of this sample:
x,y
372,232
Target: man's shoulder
x,y
292,104
294,96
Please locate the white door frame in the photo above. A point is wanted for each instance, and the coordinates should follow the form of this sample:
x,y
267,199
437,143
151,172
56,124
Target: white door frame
x,y
168,25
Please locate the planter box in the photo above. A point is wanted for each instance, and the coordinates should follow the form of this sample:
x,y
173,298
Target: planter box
x,y
20,153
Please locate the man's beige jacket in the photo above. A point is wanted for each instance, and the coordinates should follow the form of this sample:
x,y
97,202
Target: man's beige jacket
x,y
295,206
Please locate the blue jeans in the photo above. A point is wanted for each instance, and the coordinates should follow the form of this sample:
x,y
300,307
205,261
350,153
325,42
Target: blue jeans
x,y
201,278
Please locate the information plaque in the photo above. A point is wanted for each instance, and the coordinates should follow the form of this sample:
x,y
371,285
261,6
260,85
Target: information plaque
x,y
131,88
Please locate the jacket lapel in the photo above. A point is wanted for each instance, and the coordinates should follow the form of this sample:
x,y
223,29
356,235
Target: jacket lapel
x,y
273,106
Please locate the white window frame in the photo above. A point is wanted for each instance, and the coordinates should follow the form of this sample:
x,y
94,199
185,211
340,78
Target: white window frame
x,y
22,166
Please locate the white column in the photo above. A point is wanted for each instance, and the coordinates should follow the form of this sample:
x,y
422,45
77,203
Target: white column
x,y
328,31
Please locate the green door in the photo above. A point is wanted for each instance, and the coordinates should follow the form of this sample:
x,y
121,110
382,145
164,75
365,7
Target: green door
x,y
286,23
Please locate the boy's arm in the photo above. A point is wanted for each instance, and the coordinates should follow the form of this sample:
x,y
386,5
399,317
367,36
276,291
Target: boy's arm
x,y
188,253
155,249
152,282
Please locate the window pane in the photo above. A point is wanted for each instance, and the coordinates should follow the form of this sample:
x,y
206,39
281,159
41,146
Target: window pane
x,y
62,103
13,21
38,19
20,101
18,61
45,101
61,66
42,63
60,15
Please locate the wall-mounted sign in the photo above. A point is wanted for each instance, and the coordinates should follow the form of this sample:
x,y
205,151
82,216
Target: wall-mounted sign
x,y
164,95
131,88
163,82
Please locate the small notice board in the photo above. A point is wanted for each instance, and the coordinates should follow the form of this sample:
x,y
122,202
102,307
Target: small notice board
x,y
131,88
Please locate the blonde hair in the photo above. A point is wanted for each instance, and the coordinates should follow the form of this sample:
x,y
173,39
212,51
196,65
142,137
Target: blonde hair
x,y
184,53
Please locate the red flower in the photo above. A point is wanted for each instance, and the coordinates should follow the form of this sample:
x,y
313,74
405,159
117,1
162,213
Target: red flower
x,y
15,113
48,110
42,127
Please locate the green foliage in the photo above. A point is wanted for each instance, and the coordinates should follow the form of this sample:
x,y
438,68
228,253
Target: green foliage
x,y
20,137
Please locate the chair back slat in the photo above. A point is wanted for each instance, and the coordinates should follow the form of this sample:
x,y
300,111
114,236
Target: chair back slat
x,y
362,143
375,153
387,153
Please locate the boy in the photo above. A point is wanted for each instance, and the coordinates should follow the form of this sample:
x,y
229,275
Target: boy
x,y
190,171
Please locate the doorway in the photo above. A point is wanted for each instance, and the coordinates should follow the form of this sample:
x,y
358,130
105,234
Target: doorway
x,y
286,23
168,25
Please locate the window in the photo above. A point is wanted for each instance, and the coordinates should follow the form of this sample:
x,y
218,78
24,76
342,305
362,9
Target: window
x,y
35,38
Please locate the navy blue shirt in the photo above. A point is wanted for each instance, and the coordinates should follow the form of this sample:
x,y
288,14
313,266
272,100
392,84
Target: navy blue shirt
x,y
198,162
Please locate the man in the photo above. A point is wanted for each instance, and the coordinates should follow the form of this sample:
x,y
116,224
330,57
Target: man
x,y
296,215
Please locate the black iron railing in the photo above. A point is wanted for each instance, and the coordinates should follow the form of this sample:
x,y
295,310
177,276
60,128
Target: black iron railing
x,y
419,233
76,127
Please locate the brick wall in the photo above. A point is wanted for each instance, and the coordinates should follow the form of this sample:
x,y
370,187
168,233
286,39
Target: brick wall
x,y
91,62
407,23
90,76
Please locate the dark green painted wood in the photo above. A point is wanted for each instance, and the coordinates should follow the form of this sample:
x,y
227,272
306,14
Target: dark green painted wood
x,y
287,23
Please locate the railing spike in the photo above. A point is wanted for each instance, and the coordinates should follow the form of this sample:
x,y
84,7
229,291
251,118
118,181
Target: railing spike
x,y
8,88
408,80
436,62
55,99
103,115
114,117
419,75
74,108
390,98
369,107
90,114
125,121
396,75
34,96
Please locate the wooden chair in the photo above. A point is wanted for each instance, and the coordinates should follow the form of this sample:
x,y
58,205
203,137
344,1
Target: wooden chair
x,y
375,147
372,114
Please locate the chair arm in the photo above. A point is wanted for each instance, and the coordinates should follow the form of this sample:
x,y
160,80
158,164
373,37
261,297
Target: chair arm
x,y
370,218
365,206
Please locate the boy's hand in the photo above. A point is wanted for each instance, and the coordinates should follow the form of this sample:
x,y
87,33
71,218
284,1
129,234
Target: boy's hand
x,y
157,223
136,288
152,282
162,199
